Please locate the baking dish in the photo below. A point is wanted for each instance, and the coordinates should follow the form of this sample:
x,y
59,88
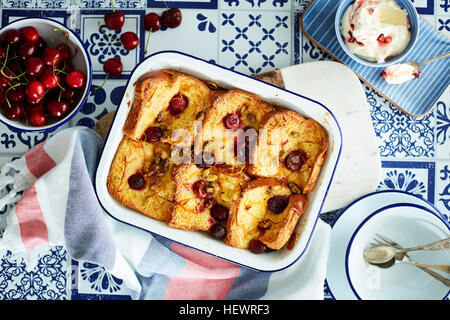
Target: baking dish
x,y
273,261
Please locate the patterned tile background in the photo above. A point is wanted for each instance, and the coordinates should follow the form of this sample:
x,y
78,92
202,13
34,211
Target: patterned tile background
x,y
250,36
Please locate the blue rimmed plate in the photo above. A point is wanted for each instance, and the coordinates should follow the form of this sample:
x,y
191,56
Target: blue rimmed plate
x,y
407,224
345,226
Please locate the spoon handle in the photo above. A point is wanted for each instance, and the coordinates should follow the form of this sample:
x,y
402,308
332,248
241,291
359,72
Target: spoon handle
x,y
436,275
444,55
440,245
439,267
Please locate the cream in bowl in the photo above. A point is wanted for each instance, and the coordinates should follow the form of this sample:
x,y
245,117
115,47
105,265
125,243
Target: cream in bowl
x,y
375,30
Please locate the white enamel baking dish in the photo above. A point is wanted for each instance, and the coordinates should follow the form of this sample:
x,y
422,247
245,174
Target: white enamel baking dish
x,y
273,261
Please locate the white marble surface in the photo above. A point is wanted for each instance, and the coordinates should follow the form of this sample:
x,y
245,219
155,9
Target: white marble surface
x,y
337,87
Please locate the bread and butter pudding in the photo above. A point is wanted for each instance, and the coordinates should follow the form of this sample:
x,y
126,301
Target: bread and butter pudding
x,y
199,157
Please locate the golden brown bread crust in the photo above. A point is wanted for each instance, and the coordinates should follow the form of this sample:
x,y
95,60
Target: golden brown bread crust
x,y
291,131
156,199
250,217
153,95
243,188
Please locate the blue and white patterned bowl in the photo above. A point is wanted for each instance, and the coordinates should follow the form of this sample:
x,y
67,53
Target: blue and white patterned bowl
x,y
413,21
81,61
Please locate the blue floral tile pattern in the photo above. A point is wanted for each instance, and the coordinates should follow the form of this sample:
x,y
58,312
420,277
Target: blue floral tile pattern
x,y
249,36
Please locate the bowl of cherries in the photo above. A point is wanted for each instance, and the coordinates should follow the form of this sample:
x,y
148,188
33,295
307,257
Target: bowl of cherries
x,y
45,74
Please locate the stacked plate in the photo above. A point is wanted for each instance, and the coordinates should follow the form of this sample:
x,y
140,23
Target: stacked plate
x,y
402,217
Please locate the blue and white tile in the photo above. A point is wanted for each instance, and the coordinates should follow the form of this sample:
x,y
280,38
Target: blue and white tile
x,y
47,4
104,45
416,177
398,134
443,188
100,102
103,4
47,281
91,279
442,7
442,113
10,15
183,4
198,35
257,5
252,42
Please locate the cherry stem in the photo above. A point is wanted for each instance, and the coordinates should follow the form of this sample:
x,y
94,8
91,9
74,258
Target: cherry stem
x,y
6,57
6,93
148,39
101,30
112,4
66,34
103,83
59,96
165,4
56,79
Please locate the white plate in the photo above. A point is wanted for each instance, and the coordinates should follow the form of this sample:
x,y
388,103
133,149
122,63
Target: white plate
x,y
345,226
410,225
202,69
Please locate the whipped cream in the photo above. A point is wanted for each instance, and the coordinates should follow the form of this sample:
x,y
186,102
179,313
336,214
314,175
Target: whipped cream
x,y
400,73
375,30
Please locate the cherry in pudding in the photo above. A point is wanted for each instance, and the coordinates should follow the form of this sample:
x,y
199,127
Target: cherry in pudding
x,y
153,134
172,17
277,204
178,103
256,246
218,231
219,212
232,121
114,20
136,181
295,160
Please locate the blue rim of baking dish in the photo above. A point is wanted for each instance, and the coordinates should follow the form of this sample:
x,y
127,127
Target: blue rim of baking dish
x,y
88,87
253,79
437,214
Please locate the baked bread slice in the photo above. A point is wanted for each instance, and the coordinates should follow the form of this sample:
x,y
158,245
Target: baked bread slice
x,y
232,110
294,150
203,196
140,178
267,212
169,100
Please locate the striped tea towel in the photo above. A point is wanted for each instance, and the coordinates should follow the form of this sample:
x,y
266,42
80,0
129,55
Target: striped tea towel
x,y
51,200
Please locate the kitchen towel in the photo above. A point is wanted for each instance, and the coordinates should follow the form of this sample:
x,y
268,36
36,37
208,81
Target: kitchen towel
x,y
50,199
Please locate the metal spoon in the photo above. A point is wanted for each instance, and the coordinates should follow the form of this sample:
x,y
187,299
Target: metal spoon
x,y
406,71
381,253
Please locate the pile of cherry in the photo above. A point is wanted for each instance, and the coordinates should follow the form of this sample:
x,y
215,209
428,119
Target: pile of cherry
x,y
115,20
37,82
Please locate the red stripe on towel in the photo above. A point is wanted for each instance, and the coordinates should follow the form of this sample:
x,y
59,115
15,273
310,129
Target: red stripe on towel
x,y
204,277
33,229
38,160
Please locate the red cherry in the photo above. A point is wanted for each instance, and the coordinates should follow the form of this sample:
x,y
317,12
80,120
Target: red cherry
x,y
218,231
34,66
29,34
12,37
35,89
219,212
277,204
2,99
51,57
152,21
129,40
4,83
113,67
68,94
2,53
16,94
172,17
49,79
232,121
136,181
37,116
41,44
34,102
66,54
14,112
295,160
58,109
178,103
153,134
76,79
26,50
256,246
114,20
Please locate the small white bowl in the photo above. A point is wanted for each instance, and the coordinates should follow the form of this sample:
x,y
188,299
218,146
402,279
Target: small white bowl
x,y
81,61
409,225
